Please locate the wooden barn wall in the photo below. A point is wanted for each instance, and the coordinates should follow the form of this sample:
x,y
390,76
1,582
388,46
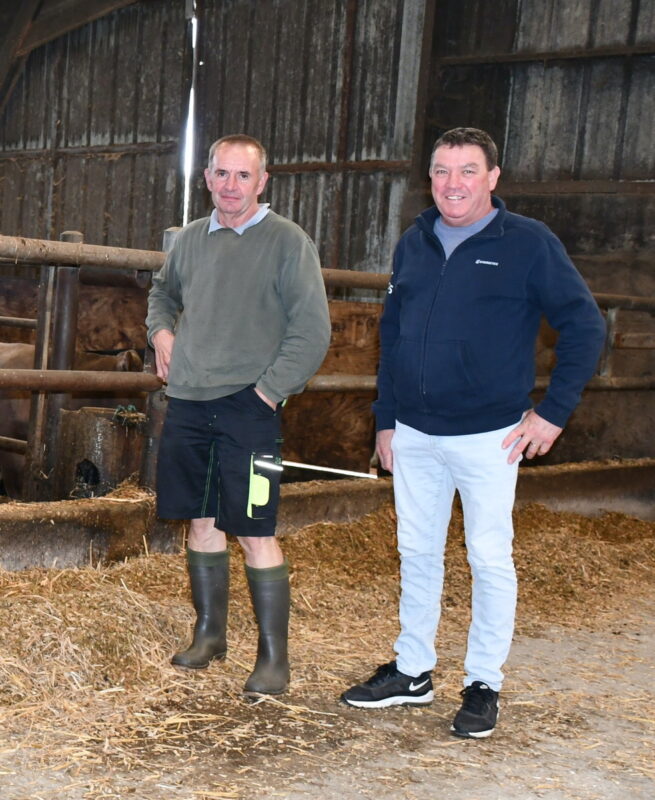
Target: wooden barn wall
x,y
90,140
90,137
566,89
330,88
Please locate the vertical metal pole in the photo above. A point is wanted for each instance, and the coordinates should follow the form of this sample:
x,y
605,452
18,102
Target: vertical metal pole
x,y
155,403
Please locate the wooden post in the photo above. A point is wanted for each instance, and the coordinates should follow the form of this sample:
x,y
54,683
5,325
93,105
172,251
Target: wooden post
x,y
33,479
156,402
64,338
55,349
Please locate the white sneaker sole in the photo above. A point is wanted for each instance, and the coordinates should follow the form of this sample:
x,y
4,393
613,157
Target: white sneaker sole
x,y
386,702
469,735
475,734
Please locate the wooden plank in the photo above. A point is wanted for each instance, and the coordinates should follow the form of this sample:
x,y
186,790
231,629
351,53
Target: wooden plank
x,y
76,87
128,54
607,27
558,121
645,27
106,66
602,129
264,75
577,187
523,146
12,186
35,206
119,212
599,223
636,159
569,24
546,56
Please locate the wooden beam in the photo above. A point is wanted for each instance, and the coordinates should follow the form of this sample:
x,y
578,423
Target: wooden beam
x,y
58,17
13,39
618,51
514,188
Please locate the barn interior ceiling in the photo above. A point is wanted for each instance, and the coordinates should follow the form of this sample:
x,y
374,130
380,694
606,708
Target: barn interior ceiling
x,y
36,22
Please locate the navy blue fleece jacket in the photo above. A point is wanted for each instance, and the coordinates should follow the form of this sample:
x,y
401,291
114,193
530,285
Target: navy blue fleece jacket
x,y
458,335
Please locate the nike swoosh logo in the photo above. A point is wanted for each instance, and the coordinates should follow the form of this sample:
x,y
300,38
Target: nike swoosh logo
x,y
413,687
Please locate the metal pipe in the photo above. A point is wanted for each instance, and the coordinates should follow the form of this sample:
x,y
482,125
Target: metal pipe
x,y
60,380
355,279
366,383
602,383
625,302
17,322
45,251
9,445
342,383
82,380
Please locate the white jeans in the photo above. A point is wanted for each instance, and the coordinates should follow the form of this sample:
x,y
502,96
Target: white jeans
x,y
426,471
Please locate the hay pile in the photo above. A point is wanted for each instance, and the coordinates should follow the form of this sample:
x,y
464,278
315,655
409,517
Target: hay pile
x,y
86,683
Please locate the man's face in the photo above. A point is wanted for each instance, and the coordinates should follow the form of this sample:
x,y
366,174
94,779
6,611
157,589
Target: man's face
x,y
462,184
235,181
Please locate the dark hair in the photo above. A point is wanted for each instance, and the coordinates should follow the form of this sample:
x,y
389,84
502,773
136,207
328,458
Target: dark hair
x,y
239,138
458,137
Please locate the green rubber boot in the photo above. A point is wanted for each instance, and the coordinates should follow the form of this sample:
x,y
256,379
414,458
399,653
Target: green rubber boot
x,y
209,574
269,589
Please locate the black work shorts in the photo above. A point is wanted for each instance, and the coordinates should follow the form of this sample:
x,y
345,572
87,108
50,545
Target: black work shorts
x,y
221,458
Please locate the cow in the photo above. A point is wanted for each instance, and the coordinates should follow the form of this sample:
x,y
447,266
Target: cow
x,y
15,403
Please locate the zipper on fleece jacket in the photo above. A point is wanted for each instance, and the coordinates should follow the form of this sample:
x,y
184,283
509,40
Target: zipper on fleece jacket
x,y
436,241
444,264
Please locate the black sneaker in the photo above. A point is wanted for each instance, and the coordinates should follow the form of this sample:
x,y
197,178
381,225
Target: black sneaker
x,y
390,687
477,717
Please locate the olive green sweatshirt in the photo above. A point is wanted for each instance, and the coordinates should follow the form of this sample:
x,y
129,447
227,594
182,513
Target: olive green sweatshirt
x,y
245,309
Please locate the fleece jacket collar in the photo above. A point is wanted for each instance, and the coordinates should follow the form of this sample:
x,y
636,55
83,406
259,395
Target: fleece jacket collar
x,y
496,228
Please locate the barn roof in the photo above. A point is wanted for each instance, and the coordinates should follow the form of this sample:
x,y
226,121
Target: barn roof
x,y
36,22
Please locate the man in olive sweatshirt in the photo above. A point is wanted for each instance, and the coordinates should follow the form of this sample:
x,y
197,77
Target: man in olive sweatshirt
x,y
238,318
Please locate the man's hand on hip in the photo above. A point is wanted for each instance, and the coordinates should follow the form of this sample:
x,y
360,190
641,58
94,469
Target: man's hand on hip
x,y
533,436
383,447
163,342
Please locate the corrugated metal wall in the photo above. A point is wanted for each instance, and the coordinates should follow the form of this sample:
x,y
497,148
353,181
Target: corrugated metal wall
x,y
330,88
90,138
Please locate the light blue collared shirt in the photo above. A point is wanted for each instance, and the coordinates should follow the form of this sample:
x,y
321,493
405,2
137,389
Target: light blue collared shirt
x,y
215,225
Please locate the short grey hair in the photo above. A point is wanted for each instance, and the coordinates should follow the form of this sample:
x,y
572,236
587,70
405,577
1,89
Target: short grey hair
x,y
243,139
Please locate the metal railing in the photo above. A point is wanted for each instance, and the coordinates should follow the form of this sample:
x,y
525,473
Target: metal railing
x,y
65,264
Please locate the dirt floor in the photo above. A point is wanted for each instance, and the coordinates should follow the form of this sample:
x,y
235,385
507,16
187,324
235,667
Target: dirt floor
x,y
90,707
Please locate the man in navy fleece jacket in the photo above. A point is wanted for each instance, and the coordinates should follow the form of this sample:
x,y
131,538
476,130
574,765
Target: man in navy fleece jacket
x,y
470,284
